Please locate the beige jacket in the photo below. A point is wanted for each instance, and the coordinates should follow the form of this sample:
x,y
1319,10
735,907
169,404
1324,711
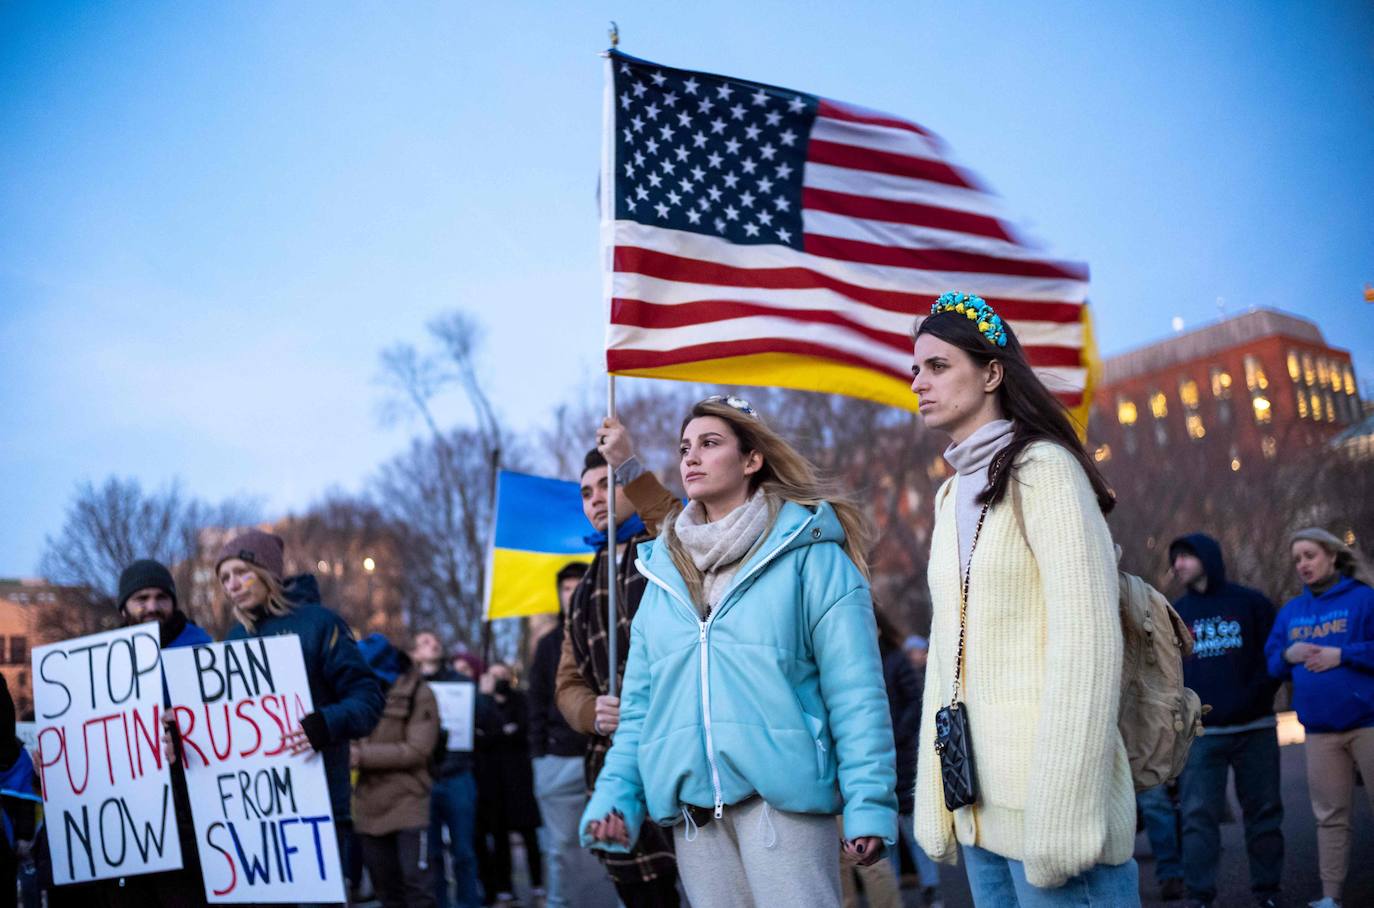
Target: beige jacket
x,y
1042,679
393,786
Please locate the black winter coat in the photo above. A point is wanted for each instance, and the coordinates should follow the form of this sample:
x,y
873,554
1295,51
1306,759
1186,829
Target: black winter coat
x,y
904,686
505,775
550,734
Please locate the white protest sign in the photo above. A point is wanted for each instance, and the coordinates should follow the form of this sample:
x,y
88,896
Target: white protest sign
x,y
264,827
456,702
107,795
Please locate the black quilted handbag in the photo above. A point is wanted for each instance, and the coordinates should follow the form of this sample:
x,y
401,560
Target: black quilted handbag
x,y
955,747
953,742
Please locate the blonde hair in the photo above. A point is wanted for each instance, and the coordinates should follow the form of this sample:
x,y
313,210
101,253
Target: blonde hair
x,y
1348,561
785,476
277,604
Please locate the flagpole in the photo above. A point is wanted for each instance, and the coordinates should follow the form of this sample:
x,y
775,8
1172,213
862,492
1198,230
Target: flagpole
x,y
613,577
607,200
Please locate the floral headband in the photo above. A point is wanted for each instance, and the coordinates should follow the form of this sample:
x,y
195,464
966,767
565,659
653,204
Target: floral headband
x,y
977,310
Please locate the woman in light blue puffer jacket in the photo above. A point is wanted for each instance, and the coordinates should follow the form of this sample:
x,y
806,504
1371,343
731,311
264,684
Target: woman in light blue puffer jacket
x,y
753,708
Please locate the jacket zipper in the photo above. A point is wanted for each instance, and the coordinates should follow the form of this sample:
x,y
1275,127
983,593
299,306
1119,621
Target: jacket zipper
x,y
704,625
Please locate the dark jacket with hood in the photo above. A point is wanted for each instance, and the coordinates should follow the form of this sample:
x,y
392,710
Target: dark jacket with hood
x,y
1230,624
550,733
347,696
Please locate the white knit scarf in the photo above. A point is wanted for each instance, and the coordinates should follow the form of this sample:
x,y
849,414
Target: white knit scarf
x,y
971,459
719,547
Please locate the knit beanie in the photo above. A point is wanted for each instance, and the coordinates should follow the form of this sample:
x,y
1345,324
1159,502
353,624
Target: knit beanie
x,y
256,547
145,574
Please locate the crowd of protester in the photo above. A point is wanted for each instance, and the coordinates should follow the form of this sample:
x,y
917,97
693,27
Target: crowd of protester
x,y
775,739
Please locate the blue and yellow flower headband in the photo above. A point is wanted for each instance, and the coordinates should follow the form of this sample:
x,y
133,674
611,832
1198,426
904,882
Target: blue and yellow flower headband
x,y
976,309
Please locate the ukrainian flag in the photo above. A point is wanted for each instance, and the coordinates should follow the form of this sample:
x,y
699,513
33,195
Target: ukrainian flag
x,y
539,528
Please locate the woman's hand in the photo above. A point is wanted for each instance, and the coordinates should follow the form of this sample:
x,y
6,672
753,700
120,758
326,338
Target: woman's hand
x,y
1323,658
610,829
863,851
1299,652
614,442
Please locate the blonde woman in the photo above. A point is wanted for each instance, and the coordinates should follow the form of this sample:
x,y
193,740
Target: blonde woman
x,y
753,708
1323,641
347,696
1025,648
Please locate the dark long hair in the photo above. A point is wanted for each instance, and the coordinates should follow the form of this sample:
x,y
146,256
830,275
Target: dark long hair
x,y
1035,413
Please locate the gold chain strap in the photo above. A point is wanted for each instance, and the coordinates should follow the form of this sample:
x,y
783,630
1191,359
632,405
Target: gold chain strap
x,y
963,609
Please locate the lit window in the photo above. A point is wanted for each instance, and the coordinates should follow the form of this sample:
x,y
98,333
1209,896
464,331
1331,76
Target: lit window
x,y
1336,377
1264,412
1270,446
1159,405
1309,371
1221,384
1193,421
1255,379
1323,375
1294,370
1187,392
1303,411
1316,401
1330,408
1349,381
1125,411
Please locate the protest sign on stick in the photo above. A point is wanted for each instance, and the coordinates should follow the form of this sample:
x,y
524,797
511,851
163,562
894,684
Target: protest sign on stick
x,y
456,701
107,794
264,827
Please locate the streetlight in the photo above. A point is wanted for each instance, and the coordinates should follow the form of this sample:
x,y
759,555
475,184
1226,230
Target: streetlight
x,y
369,566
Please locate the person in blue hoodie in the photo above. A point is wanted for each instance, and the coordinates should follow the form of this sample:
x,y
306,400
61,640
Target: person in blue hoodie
x,y
347,696
754,708
1230,624
1323,641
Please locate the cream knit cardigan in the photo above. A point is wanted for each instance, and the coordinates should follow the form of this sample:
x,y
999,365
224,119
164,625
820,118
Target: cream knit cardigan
x,y
1042,678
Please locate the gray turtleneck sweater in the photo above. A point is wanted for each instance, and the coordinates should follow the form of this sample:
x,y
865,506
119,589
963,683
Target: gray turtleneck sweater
x,y
970,458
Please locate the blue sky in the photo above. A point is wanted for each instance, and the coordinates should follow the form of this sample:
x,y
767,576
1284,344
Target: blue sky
x,y
214,216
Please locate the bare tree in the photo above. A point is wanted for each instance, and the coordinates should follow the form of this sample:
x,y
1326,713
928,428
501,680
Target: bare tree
x,y
108,527
439,492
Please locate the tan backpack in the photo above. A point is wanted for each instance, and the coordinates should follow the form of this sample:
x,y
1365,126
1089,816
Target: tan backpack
x,y
1159,716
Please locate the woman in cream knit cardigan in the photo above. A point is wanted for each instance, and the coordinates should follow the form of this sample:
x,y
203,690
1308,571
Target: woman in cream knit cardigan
x,y
1054,819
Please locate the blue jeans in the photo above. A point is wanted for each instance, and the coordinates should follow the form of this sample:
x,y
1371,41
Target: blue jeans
x,y
453,804
926,869
998,882
1161,825
1254,756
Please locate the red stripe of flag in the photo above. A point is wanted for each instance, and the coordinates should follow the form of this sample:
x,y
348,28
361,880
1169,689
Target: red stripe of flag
x,y
662,265
852,157
916,214
836,111
700,312
937,259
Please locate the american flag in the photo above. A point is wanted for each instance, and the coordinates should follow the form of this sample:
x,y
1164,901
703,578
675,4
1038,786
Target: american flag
x,y
759,235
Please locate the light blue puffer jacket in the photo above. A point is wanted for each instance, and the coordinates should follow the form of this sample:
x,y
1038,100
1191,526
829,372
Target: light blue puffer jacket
x,y
780,692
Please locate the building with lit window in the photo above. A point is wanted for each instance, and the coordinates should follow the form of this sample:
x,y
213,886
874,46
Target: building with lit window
x,y
1253,386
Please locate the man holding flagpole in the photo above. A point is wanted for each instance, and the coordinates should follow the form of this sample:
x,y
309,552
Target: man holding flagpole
x,y
646,877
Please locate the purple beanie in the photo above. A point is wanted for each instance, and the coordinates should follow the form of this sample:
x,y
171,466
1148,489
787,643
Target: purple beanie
x,y
260,549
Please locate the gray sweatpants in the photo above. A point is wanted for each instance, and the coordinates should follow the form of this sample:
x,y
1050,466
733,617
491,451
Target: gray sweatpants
x,y
755,856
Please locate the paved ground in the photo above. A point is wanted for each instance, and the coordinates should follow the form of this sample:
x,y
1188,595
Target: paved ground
x,y
1300,880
